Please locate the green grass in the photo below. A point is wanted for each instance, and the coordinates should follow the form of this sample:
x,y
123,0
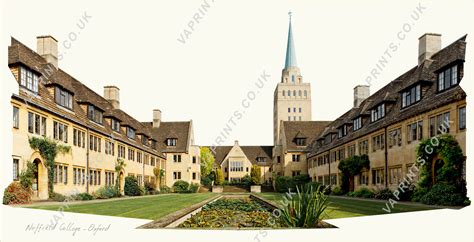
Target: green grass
x,y
148,207
345,208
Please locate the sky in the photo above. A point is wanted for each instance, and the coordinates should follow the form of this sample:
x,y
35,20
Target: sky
x,y
202,63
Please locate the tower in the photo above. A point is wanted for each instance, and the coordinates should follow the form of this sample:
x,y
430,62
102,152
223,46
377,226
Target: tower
x,y
292,97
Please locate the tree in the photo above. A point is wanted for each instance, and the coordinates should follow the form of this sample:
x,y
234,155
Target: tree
x,y
48,150
219,177
207,161
255,174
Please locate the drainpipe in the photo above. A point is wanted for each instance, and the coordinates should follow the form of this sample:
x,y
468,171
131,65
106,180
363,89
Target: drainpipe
x,y
386,156
87,160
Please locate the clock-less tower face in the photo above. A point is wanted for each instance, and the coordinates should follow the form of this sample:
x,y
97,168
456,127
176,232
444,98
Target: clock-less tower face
x,y
292,97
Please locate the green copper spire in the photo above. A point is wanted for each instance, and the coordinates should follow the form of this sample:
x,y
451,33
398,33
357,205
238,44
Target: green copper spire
x,y
290,60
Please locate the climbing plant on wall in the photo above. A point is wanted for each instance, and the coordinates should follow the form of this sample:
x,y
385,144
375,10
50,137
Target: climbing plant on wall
x,y
48,150
351,167
441,162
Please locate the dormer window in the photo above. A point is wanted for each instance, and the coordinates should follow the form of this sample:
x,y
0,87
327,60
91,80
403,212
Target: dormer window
x,y
448,78
171,141
357,123
260,159
144,140
377,113
328,139
342,131
130,133
63,97
115,125
95,114
153,144
411,96
300,141
29,79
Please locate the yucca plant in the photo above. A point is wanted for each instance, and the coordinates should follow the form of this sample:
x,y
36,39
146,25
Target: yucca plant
x,y
305,208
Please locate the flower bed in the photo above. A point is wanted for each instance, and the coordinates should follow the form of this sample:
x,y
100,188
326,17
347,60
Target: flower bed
x,y
231,213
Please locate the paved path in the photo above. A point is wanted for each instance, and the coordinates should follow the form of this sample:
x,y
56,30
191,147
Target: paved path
x,y
398,202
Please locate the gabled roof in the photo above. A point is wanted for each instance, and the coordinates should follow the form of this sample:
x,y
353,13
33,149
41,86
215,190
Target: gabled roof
x,y
178,130
301,129
19,54
431,99
251,152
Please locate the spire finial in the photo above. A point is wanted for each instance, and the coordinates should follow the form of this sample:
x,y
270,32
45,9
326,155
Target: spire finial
x,y
289,14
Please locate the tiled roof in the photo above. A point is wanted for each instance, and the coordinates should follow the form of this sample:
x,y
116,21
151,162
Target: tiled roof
x,y
252,152
21,54
302,129
178,130
426,72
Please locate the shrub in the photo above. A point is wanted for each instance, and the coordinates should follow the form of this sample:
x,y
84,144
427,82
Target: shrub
x,y
364,193
193,188
443,194
165,189
206,181
82,196
150,187
181,186
255,174
305,209
27,176
383,194
283,183
246,180
219,177
57,197
300,180
337,191
15,193
131,187
106,192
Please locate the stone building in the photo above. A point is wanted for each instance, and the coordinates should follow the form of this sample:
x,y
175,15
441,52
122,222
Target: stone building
x,y
388,125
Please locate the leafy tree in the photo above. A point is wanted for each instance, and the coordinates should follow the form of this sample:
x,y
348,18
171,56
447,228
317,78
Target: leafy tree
x,y
255,174
159,174
207,161
131,187
351,167
48,150
27,176
219,177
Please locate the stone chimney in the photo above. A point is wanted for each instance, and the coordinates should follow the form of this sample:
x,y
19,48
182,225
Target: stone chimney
x,y
112,94
361,92
236,143
428,44
47,47
156,118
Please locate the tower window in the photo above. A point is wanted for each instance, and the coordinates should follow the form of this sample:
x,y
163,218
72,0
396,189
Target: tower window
x,y
305,93
294,93
299,93
292,78
300,110
289,93
294,110
283,92
289,110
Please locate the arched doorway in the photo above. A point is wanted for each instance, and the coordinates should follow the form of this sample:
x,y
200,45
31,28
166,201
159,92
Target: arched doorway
x,y
40,181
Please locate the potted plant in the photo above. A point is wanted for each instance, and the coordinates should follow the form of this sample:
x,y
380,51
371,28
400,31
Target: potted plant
x,y
255,174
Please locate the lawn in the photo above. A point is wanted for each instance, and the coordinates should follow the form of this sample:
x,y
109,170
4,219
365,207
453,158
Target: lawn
x,y
343,207
148,207
154,207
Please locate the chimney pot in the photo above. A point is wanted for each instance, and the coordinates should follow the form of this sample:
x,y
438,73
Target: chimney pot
x,y
361,92
428,44
47,47
112,94
156,118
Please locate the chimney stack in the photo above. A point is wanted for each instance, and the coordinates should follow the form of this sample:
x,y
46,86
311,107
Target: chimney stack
x,y
156,118
361,92
112,94
428,44
236,143
47,47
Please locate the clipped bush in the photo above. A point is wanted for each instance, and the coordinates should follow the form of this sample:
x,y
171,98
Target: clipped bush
x,y
165,189
57,197
206,181
15,193
337,191
255,174
181,186
219,177
384,194
150,188
246,180
283,184
106,192
82,196
443,194
193,188
364,193
131,187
